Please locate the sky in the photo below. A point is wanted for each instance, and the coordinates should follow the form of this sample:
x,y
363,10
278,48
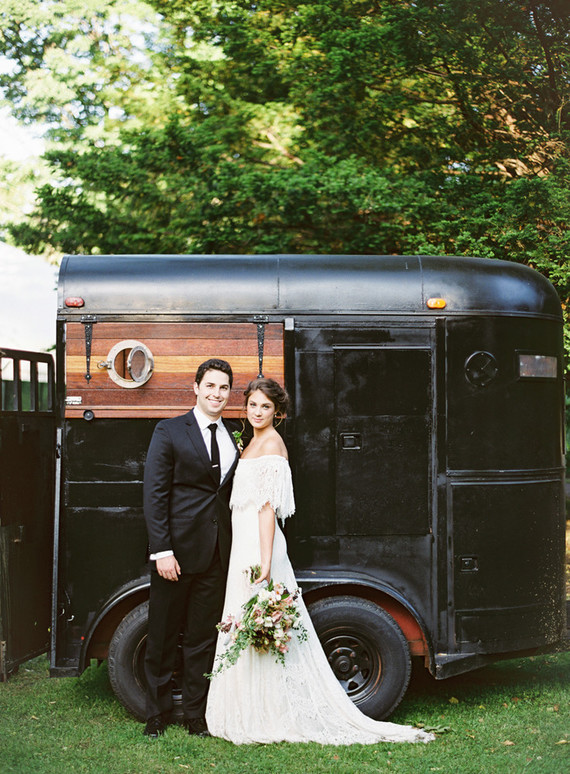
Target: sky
x,y
16,141
28,300
28,297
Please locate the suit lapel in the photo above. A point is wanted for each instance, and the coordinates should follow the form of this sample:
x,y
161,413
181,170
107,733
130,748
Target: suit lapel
x,y
236,458
197,440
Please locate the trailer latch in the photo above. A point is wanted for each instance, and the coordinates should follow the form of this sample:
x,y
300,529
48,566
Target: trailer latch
x,y
351,441
468,564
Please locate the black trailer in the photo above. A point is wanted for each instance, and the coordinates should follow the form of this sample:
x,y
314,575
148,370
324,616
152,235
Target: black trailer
x,y
425,437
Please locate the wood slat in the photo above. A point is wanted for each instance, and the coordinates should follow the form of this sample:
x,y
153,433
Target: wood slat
x,y
185,366
110,393
160,330
145,412
173,347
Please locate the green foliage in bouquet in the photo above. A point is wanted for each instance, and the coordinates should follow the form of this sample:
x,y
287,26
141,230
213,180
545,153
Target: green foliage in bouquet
x,y
269,618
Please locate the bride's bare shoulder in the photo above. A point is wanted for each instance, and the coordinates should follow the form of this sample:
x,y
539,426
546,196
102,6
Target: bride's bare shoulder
x,y
273,445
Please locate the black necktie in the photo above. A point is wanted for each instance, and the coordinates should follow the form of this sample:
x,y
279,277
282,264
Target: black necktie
x,y
215,451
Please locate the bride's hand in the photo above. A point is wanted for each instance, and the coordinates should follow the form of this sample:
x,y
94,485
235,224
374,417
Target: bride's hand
x,y
265,575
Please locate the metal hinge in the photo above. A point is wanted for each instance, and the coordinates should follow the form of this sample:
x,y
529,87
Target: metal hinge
x,y
88,321
261,320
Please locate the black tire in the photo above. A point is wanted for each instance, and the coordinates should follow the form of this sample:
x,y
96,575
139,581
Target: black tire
x,y
126,665
366,650
126,660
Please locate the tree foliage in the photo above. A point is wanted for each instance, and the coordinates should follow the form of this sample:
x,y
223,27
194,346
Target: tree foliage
x,y
83,68
361,126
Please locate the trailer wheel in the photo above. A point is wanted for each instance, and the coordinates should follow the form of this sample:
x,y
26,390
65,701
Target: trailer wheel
x,y
126,660
127,650
367,652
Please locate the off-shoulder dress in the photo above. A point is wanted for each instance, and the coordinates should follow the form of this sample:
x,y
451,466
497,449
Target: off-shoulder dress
x,y
257,699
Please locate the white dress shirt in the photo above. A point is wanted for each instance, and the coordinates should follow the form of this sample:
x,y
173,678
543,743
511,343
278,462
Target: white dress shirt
x,y
225,443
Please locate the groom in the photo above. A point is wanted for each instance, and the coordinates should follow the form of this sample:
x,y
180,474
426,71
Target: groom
x,y
187,484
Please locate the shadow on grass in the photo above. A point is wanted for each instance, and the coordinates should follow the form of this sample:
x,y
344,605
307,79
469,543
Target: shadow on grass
x,y
93,689
526,676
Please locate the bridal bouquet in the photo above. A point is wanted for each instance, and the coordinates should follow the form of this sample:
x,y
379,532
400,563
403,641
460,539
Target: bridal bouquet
x,y
266,624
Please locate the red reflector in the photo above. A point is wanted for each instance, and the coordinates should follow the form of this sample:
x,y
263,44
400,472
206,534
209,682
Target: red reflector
x,y
74,301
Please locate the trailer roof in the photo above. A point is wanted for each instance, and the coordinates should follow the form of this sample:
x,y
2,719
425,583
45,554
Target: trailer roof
x,y
299,284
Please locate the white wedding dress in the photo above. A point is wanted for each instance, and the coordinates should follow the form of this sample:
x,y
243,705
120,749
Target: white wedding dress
x,y
259,700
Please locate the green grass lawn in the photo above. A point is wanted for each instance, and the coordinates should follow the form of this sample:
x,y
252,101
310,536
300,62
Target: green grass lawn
x,y
507,718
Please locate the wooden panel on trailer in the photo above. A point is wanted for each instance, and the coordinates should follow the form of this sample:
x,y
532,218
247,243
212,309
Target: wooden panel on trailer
x,y
177,349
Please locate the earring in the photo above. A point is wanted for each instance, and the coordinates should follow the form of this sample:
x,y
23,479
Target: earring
x,y
279,418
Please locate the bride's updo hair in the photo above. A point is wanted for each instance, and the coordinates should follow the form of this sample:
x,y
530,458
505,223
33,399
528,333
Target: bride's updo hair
x,y
272,390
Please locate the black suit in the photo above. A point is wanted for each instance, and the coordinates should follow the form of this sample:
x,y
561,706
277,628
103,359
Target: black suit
x,y
186,511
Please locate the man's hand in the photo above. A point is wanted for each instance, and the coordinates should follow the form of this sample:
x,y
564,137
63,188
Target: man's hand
x,y
168,568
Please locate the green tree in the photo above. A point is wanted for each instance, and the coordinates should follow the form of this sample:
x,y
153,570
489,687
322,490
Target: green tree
x,y
83,71
83,68
328,126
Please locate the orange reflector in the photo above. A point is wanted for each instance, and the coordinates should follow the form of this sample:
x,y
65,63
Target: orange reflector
x,y
436,303
74,301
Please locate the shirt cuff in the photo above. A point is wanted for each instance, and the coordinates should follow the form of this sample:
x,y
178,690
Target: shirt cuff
x,y
160,555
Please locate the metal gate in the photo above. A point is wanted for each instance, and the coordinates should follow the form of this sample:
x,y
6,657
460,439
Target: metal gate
x,y
27,479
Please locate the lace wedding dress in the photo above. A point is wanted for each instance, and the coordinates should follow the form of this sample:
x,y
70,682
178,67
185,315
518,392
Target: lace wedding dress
x,y
258,700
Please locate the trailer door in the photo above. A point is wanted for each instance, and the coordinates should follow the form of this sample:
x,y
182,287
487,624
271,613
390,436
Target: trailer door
x,y
383,409
27,477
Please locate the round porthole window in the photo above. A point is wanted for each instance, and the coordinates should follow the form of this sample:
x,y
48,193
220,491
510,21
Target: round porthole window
x,y
130,363
481,369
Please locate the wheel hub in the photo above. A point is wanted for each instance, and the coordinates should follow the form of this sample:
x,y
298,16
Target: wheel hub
x,y
342,661
351,661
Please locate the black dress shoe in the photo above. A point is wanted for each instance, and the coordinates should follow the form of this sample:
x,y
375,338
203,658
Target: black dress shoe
x,y
155,726
196,727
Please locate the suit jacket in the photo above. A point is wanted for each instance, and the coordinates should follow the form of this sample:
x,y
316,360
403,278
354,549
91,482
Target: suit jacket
x,y
185,509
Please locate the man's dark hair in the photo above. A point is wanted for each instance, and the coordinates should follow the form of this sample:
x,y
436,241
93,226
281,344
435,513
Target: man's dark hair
x,y
214,364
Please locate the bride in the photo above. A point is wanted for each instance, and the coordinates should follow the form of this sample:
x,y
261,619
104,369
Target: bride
x,y
257,699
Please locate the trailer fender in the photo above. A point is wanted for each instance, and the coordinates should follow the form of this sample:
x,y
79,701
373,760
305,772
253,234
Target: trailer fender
x,y
387,598
99,635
